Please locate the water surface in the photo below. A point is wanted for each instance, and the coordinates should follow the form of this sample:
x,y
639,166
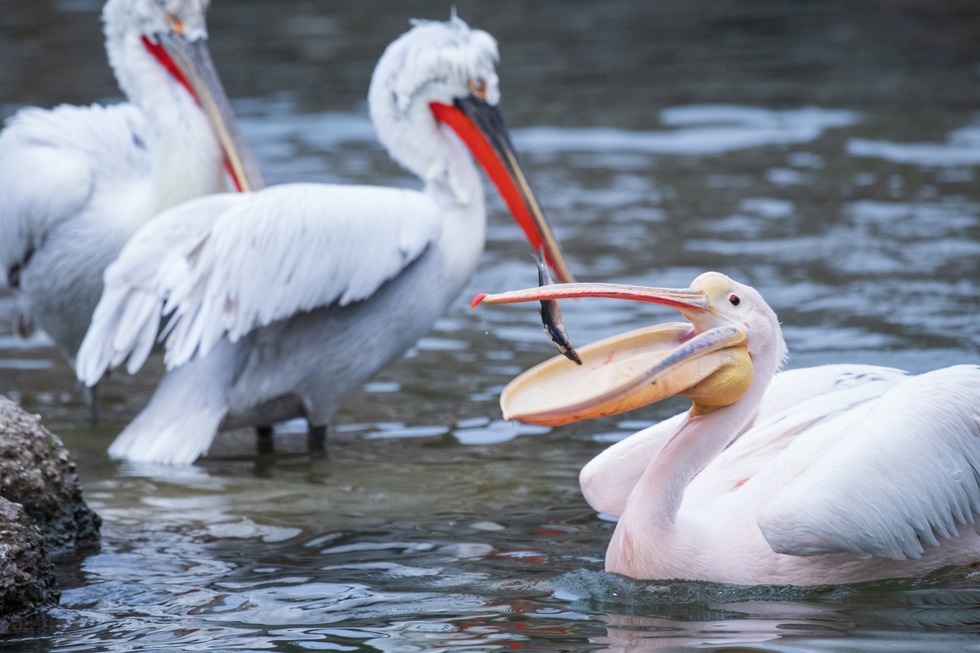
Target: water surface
x,y
825,153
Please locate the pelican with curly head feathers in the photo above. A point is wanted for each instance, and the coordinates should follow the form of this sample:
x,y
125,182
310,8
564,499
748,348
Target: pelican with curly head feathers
x,y
282,301
817,476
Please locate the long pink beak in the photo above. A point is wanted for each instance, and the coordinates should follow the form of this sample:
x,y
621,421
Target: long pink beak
x,y
627,371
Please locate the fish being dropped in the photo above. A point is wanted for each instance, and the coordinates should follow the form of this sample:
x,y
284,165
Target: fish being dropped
x,y
551,315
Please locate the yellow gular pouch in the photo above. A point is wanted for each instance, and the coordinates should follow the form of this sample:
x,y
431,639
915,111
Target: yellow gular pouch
x,y
726,385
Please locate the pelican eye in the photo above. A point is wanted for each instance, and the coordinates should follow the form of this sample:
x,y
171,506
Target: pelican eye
x,y
734,300
175,23
478,87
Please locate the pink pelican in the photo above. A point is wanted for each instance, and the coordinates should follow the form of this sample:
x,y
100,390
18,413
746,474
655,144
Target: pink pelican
x,y
77,182
283,300
826,475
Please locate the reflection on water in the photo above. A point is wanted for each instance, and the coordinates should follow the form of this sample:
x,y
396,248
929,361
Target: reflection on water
x,y
825,153
962,148
700,130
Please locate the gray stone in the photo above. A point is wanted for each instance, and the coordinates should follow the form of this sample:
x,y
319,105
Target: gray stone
x,y
37,472
27,576
42,514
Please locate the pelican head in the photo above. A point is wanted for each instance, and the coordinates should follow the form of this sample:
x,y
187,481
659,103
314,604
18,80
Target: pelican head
x,y
439,75
158,50
730,341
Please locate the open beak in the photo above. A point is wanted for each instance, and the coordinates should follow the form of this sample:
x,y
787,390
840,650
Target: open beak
x,y
630,370
190,62
482,128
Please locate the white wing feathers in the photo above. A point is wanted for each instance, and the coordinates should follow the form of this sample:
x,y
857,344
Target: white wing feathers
x,y
787,422
127,317
48,165
903,476
223,265
795,400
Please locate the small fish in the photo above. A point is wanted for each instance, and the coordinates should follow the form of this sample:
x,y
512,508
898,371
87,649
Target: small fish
x,y
551,316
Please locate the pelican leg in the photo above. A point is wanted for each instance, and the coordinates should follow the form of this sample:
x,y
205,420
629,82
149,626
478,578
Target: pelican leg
x,y
316,441
265,444
91,396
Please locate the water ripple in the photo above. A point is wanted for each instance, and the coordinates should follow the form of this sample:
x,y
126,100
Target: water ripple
x,y
703,131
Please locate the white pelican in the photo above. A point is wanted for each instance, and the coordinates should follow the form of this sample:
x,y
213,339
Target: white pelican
x,y
284,300
868,473
76,182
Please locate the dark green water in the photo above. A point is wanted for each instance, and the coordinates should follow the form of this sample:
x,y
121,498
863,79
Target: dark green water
x,y
826,153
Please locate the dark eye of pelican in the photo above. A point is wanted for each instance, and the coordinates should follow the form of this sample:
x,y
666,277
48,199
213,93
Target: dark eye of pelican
x,y
478,87
734,300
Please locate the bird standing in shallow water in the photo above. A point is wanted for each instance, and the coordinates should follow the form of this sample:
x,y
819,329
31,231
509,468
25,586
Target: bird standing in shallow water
x,y
282,301
823,476
77,182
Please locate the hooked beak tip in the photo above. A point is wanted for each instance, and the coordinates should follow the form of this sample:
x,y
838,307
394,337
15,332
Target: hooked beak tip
x,y
477,299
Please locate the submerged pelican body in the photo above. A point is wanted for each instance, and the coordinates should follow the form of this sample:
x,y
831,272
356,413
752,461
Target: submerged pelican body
x,y
280,302
824,475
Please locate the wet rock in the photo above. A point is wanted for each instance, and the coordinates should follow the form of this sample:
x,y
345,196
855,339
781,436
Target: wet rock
x,y
27,577
37,472
42,514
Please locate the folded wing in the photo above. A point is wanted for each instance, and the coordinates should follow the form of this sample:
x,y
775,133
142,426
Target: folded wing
x,y
221,266
901,477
